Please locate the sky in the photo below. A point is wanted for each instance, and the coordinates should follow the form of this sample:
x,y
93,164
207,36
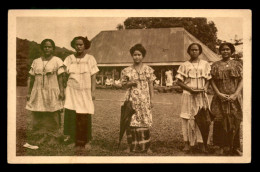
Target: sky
x,y
63,29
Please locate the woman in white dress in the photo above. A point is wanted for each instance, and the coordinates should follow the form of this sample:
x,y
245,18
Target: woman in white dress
x,y
193,76
81,69
45,97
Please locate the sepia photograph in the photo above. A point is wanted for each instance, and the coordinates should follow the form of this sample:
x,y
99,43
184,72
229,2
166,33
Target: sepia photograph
x,y
129,86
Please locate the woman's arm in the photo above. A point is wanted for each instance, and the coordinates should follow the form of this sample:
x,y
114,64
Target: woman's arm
x,y
185,87
60,80
151,92
93,86
233,97
219,94
65,77
30,83
206,85
128,84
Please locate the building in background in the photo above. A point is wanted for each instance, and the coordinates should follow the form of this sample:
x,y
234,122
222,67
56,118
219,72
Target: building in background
x,y
166,50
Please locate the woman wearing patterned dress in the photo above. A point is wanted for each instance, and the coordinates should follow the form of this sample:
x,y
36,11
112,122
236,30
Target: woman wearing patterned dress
x,y
81,69
226,105
193,76
45,95
138,78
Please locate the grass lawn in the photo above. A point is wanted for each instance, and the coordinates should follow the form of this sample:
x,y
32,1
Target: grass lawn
x,y
166,136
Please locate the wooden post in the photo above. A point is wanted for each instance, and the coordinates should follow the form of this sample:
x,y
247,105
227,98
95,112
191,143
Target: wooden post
x,y
102,76
172,75
113,74
161,77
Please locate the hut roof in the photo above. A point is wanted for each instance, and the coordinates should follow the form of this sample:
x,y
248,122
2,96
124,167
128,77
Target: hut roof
x,y
164,46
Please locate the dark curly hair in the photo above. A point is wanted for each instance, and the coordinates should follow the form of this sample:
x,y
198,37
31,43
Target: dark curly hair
x,y
47,40
231,46
85,40
200,47
138,47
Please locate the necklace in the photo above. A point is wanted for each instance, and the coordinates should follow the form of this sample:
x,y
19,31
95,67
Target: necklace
x,y
196,72
77,60
227,64
44,70
197,67
138,71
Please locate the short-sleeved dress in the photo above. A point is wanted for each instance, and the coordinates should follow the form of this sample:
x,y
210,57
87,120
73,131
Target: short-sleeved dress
x,y
140,95
44,102
45,92
78,90
228,115
194,79
194,75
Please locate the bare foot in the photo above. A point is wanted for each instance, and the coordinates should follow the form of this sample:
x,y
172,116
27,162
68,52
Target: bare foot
x,y
220,151
186,148
87,146
127,150
202,148
149,151
237,152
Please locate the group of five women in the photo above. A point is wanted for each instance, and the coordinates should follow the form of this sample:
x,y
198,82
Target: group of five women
x,y
51,79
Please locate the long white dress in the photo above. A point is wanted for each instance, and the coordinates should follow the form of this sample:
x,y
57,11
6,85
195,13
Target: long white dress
x,y
194,75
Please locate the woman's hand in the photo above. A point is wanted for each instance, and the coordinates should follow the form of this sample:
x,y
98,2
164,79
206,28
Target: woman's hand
x,y
62,96
223,97
93,94
28,97
196,91
205,89
131,84
232,97
151,103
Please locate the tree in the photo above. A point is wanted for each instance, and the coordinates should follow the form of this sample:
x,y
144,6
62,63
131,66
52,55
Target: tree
x,y
205,31
120,27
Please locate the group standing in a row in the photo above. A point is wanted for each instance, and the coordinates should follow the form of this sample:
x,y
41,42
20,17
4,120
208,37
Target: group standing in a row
x,y
78,71
46,95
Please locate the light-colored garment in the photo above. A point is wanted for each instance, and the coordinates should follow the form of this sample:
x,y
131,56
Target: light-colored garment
x,y
78,90
117,82
157,82
191,132
194,75
169,80
187,74
45,92
139,95
109,81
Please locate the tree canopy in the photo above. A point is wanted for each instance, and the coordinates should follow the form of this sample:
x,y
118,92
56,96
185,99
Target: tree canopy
x,y
203,30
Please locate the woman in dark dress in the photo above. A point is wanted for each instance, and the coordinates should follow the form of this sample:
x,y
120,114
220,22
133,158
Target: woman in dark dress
x,y
226,105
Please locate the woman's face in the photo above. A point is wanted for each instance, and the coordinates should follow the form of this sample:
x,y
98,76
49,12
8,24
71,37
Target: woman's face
x,y
47,48
137,56
225,52
79,46
194,51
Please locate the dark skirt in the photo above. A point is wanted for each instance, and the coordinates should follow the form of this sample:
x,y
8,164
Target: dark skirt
x,y
45,128
228,117
223,138
78,127
138,138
